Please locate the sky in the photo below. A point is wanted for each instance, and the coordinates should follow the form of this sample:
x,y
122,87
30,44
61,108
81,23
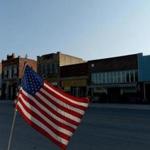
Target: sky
x,y
90,29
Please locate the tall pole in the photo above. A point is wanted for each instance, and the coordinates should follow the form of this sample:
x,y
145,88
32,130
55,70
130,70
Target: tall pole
x,y
12,129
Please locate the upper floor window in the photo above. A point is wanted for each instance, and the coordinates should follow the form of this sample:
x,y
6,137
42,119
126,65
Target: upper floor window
x,y
14,71
5,72
128,76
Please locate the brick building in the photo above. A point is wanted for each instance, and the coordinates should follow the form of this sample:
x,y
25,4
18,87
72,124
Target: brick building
x,y
74,79
48,65
115,79
12,72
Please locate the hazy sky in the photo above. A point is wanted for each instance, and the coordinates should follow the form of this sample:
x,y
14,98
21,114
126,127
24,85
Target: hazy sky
x,y
89,29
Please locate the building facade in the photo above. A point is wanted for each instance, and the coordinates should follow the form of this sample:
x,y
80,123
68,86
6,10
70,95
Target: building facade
x,y
0,80
123,79
74,79
12,72
49,65
115,79
144,76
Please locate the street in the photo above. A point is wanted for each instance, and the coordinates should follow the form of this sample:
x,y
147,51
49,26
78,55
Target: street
x,y
104,127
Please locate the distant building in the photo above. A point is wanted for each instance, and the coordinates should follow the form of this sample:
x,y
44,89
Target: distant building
x,y
48,65
115,79
0,80
122,79
74,79
12,72
144,75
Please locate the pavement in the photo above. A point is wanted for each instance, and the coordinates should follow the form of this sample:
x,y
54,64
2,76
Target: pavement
x,y
123,106
104,127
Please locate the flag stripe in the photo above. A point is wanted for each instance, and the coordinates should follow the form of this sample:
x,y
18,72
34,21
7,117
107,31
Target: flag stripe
x,y
60,102
60,91
46,121
48,115
63,113
33,114
50,111
53,100
41,125
56,113
63,99
39,129
80,103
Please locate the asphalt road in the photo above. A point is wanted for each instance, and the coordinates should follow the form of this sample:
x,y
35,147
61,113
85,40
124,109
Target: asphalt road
x,y
103,128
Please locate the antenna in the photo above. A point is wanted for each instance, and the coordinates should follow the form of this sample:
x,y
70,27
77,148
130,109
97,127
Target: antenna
x,y
26,56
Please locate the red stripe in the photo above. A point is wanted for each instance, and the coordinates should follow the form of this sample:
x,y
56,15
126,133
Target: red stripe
x,y
61,107
39,129
46,114
58,133
84,100
63,99
55,112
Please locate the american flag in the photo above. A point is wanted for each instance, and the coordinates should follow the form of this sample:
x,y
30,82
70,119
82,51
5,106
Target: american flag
x,y
48,109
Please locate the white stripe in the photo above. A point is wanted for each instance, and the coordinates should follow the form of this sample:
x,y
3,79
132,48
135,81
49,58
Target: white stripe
x,y
47,111
63,113
67,98
61,102
41,125
58,128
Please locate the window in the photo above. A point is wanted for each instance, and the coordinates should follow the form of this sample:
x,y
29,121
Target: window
x,y
128,76
14,71
42,68
104,77
97,78
109,77
116,77
100,78
5,72
113,77
121,77
93,78
55,67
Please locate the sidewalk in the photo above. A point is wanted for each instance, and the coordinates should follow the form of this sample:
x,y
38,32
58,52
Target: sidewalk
x,y
105,105
122,106
6,101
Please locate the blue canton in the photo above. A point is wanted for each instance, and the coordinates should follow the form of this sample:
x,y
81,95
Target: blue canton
x,y
31,81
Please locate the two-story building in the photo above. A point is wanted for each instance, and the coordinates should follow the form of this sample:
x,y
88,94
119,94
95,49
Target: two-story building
x,y
74,79
12,72
49,65
115,79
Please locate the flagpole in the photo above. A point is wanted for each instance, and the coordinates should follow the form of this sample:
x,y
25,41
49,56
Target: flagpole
x,y
14,116
12,129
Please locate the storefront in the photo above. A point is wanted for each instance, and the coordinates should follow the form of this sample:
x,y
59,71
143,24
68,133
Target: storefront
x,y
77,87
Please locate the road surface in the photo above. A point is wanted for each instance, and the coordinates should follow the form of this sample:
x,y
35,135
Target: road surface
x,y
104,127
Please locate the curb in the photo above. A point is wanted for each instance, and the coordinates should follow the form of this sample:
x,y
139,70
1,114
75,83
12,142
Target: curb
x,y
122,106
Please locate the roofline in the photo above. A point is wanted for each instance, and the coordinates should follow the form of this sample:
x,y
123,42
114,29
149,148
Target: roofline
x,y
115,57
